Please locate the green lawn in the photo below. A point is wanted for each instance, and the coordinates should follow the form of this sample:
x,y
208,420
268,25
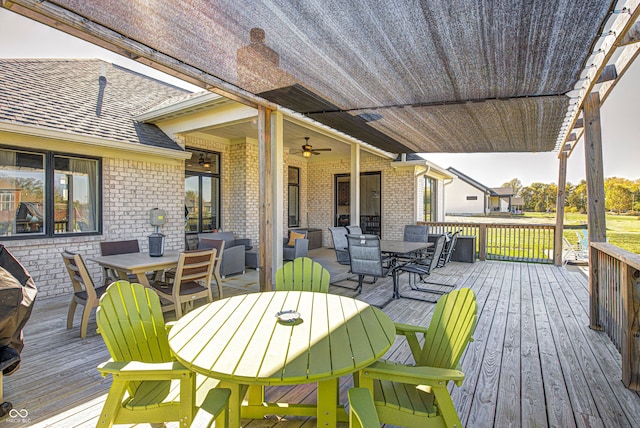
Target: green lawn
x,y
622,230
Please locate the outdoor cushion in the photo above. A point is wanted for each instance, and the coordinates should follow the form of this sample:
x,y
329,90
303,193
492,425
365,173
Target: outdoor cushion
x,y
293,236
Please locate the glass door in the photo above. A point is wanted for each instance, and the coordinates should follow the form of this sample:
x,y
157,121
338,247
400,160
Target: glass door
x,y
370,201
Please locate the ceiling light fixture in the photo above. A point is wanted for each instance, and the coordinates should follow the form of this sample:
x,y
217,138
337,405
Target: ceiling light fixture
x,y
205,163
306,154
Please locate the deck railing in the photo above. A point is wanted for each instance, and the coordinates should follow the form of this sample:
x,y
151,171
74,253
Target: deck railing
x,y
509,242
614,282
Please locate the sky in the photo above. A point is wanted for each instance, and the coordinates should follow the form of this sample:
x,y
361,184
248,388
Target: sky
x,y
21,37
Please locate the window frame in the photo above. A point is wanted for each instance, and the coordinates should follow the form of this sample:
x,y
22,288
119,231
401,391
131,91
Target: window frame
x,y
49,195
208,174
296,186
430,190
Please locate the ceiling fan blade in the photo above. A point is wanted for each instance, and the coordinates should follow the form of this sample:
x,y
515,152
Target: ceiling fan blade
x,y
321,150
313,152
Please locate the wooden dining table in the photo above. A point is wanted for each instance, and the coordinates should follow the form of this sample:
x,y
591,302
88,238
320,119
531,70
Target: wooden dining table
x,y
137,264
241,341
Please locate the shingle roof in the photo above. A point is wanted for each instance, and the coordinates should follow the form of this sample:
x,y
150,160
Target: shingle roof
x,y
69,95
502,191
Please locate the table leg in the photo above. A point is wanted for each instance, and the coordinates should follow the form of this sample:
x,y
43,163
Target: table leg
x,y
327,402
141,277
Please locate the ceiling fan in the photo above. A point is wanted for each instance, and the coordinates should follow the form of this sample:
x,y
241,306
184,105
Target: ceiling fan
x,y
307,149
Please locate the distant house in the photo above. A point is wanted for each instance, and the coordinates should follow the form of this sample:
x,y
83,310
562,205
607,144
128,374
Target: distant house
x,y
466,196
500,199
517,205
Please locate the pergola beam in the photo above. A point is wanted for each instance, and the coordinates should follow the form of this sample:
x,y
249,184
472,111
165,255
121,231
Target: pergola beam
x,y
632,36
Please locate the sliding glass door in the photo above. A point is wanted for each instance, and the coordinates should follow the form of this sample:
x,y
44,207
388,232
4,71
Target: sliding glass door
x,y
370,202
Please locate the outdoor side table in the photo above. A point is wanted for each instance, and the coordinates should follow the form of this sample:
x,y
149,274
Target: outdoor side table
x,y
242,342
465,250
251,259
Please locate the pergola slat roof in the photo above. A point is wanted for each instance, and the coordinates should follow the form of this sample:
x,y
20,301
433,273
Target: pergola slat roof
x,y
425,76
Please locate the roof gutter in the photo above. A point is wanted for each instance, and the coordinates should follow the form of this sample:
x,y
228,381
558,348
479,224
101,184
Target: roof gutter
x,y
73,137
199,102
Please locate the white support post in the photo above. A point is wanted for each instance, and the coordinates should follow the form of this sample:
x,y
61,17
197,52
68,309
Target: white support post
x,y
354,197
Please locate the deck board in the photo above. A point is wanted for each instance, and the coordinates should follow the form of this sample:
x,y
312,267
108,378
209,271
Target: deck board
x,y
534,361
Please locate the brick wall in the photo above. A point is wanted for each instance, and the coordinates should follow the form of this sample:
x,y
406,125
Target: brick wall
x,y
397,196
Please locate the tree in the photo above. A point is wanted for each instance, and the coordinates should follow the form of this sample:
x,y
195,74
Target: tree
x,y
617,198
577,197
516,185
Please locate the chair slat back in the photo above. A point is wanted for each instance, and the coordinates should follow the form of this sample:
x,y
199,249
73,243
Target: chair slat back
x,y
365,255
109,248
303,274
130,320
79,275
218,245
452,325
196,266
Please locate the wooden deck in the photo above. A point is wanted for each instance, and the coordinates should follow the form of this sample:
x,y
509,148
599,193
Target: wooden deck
x,y
534,361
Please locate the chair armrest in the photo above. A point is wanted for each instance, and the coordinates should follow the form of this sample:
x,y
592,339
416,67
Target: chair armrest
x,y
246,242
402,329
412,375
137,370
410,332
232,260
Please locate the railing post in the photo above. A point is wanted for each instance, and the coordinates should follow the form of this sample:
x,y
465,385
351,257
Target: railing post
x,y
594,289
482,241
631,328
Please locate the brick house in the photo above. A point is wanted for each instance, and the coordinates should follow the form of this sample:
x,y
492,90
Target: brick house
x,y
99,146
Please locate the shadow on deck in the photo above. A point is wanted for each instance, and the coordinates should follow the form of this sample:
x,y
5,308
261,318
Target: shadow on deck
x,y
534,361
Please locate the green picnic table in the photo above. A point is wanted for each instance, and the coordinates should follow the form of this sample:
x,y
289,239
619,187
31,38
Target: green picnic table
x,y
242,342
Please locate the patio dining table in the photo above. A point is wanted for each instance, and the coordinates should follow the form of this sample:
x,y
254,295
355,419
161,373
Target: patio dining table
x,y
137,264
394,250
241,341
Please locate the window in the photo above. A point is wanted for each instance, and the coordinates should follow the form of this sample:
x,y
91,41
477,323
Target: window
x,y
202,192
472,198
430,199
293,211
48,194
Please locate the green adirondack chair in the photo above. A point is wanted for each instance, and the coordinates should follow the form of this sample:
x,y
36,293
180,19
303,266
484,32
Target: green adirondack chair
x,y
417,395
362,410
303,274
159,388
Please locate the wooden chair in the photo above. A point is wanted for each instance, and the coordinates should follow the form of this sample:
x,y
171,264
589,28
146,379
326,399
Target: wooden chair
x,y
109,248
192,280
362,410
84,291
303,274
218,245
417,395
148,384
